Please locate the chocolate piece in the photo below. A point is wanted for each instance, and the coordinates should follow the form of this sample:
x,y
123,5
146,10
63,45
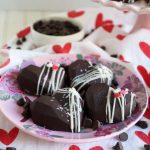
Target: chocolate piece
x,y
103,47
41,80
142,124
18,47
114,55
147,147
100,100
61,112
10,148
118,146
56,27
21,102
94,74
77,68
18,42
123,137
87,123
23,39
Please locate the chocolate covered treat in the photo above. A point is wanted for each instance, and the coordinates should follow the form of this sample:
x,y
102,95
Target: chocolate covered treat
x,y
41,80
77,68
94,74
61,112
108,105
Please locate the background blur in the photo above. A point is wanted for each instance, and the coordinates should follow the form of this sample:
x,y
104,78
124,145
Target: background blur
x,y
17,14
53,5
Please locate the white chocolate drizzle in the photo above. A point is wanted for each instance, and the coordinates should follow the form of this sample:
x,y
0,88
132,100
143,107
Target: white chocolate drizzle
x,y
53,76
119,96
96,72
75,108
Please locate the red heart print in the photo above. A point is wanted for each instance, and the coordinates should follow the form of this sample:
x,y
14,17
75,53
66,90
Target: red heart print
x,y
24,32
125,11
59,49
74,14
8,137
120,37
143,136
145,48
96,148
108,27
107,24
74,147
144,73
147,113
5,63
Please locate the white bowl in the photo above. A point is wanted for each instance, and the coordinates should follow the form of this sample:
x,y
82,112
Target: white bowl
x,y
41,39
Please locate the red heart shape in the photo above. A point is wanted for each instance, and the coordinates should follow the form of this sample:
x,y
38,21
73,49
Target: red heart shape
x,y
147,113
74,147
145,48
107,24
74,14
108,27
8,137
120,37
144,73
24,32
96,148
5,63
143,136
65,49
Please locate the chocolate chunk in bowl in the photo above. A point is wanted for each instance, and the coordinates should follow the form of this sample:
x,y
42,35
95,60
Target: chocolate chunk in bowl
x,y
56,29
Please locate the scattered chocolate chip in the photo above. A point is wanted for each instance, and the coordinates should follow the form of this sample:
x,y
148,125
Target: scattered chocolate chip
x,y
103,47
18,48
26,113
114,55
115,82
10,148
26,105
118,146
18,42
23,39
21,102
123,137
8,47
147,147
142,124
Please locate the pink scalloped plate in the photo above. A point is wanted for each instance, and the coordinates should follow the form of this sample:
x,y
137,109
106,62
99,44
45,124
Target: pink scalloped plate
x,y
10,93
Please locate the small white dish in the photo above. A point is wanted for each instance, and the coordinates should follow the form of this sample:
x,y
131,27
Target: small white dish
x,y
41,39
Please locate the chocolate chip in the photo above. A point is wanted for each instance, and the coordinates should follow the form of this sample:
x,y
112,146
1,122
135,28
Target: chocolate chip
x,y
8,47
10,148
114,55
26,105
147,147
123,137
18,48
26,113
21,102
118,146
115,83
142,124
18,42
23,39
103,47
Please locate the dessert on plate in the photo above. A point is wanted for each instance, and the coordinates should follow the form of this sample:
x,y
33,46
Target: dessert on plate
x,y
68,95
